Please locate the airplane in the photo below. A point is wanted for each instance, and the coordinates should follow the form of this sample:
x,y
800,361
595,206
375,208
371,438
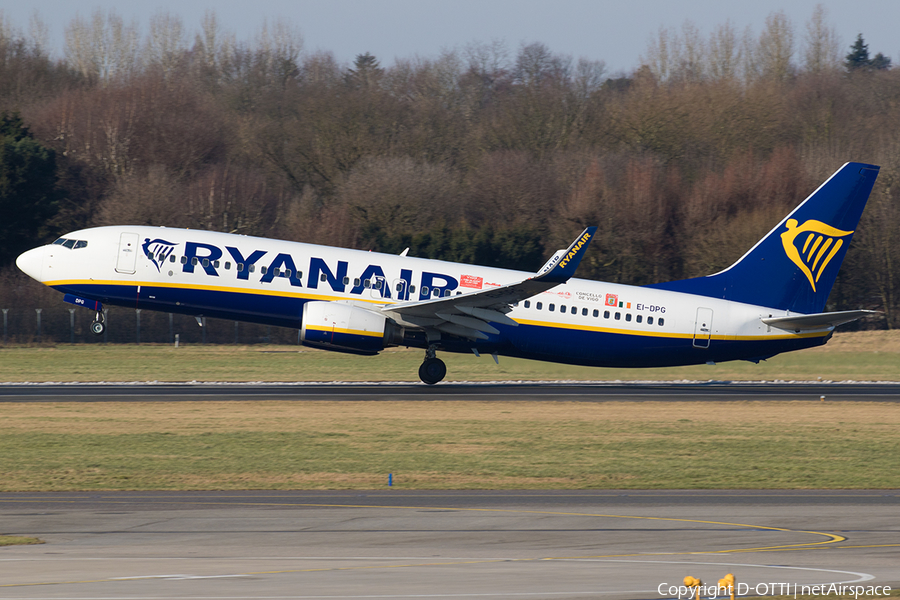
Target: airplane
x,y
768,302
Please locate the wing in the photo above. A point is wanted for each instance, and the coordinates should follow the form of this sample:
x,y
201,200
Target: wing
x,y
470,315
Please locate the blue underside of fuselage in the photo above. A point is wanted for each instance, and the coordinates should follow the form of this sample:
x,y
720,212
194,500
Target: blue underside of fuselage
x,y
539,342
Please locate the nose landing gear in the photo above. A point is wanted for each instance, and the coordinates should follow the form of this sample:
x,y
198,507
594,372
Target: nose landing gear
x,y
432,369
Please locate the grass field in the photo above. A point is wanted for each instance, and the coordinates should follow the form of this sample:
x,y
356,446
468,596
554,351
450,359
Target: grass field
x,y
861,356
425,445
448,445
16,540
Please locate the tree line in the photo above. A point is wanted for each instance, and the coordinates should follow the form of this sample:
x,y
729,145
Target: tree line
x,y
481,154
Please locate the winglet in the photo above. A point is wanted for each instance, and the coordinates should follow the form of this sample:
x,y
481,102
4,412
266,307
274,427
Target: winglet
x,y
562,265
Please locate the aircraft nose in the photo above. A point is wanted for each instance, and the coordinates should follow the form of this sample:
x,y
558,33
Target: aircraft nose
x,y
32,262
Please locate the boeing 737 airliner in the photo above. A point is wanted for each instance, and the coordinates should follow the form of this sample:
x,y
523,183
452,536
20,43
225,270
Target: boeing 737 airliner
x,y
769,301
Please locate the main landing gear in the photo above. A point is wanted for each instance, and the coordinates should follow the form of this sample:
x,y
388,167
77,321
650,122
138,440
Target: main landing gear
x,y
99,324
432,369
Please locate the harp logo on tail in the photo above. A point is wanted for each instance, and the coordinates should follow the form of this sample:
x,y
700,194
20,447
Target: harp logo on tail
x,y
811,246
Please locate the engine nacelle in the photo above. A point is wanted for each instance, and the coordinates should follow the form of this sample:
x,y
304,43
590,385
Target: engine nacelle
x,y
347,328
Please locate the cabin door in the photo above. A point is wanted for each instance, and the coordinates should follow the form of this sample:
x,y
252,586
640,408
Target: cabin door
x,y
703,327
128,249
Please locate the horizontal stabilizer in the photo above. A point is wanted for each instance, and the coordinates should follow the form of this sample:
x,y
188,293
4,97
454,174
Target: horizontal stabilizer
x,y
816,321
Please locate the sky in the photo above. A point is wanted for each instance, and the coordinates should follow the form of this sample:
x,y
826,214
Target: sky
x,y
615,32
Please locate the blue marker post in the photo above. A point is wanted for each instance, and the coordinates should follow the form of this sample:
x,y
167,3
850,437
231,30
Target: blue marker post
x,y
390,479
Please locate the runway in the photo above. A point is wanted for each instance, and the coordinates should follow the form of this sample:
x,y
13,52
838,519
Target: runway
x,y
400,544
719,391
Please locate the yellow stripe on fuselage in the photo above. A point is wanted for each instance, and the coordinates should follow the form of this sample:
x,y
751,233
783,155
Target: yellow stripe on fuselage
x,y
664,334
214,288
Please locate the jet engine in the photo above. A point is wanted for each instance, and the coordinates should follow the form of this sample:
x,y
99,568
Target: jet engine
x,y
347,328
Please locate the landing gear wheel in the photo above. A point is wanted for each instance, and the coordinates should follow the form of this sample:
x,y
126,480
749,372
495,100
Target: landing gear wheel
x,y
97,327
432,370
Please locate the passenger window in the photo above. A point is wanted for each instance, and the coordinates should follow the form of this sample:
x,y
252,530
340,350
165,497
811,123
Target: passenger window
x,y
649,320
618,316
205,262
150,255
575,310
240,267
194,261
172,258
446,293
252,268
323,277
528,304
378,284
425,290
551,307
262,270
356,282
367,283
605,314
184,260
628,316
399,286
639,318
596,313
540,305
216,264
662,321
227,266
412,289
562,308
287,272
346,280
584,312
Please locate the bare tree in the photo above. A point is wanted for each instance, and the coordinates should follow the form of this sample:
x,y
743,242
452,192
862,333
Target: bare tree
x,y
822,48
166,42
103,49
661,55
693,58
214,48
775,48
724,55
278,49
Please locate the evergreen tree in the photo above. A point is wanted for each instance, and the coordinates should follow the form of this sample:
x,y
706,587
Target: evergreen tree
x,y
859,55
858,59
881,62
28,193
365,72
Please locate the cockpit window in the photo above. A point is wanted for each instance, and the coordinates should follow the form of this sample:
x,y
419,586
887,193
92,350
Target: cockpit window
x,y
70,244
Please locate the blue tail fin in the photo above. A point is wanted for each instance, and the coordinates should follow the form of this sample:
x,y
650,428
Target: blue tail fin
x,y
794,266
